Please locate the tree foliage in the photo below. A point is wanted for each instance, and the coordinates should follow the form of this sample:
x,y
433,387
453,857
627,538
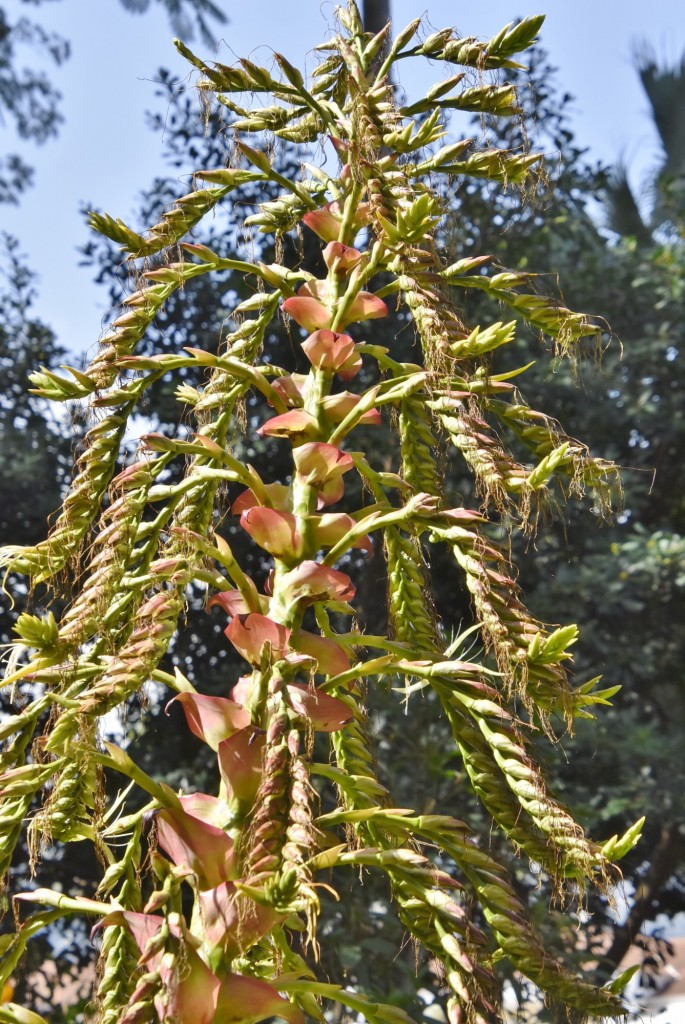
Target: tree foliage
x,y
29,100
662,208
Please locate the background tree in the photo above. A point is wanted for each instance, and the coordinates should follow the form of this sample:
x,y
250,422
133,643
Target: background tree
x,y
376,15
664,195
28,99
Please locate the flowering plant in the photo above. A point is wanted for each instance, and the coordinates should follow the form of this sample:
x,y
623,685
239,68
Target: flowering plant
x,y
216,919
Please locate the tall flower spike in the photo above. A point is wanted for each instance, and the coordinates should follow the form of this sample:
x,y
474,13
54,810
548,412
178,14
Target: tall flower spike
x,y
233,882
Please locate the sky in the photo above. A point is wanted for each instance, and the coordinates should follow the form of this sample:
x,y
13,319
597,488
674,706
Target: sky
x,y
106,155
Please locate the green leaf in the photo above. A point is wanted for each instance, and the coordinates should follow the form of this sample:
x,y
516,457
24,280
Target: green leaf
x,y
614,849
117,231
617,986
35,631
551,650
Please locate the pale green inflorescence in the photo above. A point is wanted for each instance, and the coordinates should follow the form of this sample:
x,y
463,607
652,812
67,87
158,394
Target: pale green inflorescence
x,y
204,923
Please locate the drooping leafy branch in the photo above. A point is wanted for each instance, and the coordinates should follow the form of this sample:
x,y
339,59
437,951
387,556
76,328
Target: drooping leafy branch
x,y
208,904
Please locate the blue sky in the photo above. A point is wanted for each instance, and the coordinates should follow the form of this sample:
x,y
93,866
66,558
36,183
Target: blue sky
x,y
105,154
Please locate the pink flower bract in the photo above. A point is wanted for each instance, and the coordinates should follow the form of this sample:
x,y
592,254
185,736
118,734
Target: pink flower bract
x,y
332,528
290,389
232,921
311,582
244,1000
278,495
337,407
327,221
211,719
323,466
232,602
341,258
328,350
308,312
192,842
297,425
326,713
188,994
240,764
366,306
329,656
250,633
275,532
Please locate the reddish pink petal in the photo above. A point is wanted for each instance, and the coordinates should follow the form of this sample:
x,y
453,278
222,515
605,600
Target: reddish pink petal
x,y
323,223
331,659
333,526
242,690
275,532
328,350
194,844
297,425
366,306
351,367
323,466
330,492
323,348
142,927
232,602
338,406
326,222
317,461
463,515
308,312
278,495
318,288
311,582
341,258
341,146
207,808
218,916
250,633
233,921
290,389
326,713
189,989
211,719
240,764
250,1000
